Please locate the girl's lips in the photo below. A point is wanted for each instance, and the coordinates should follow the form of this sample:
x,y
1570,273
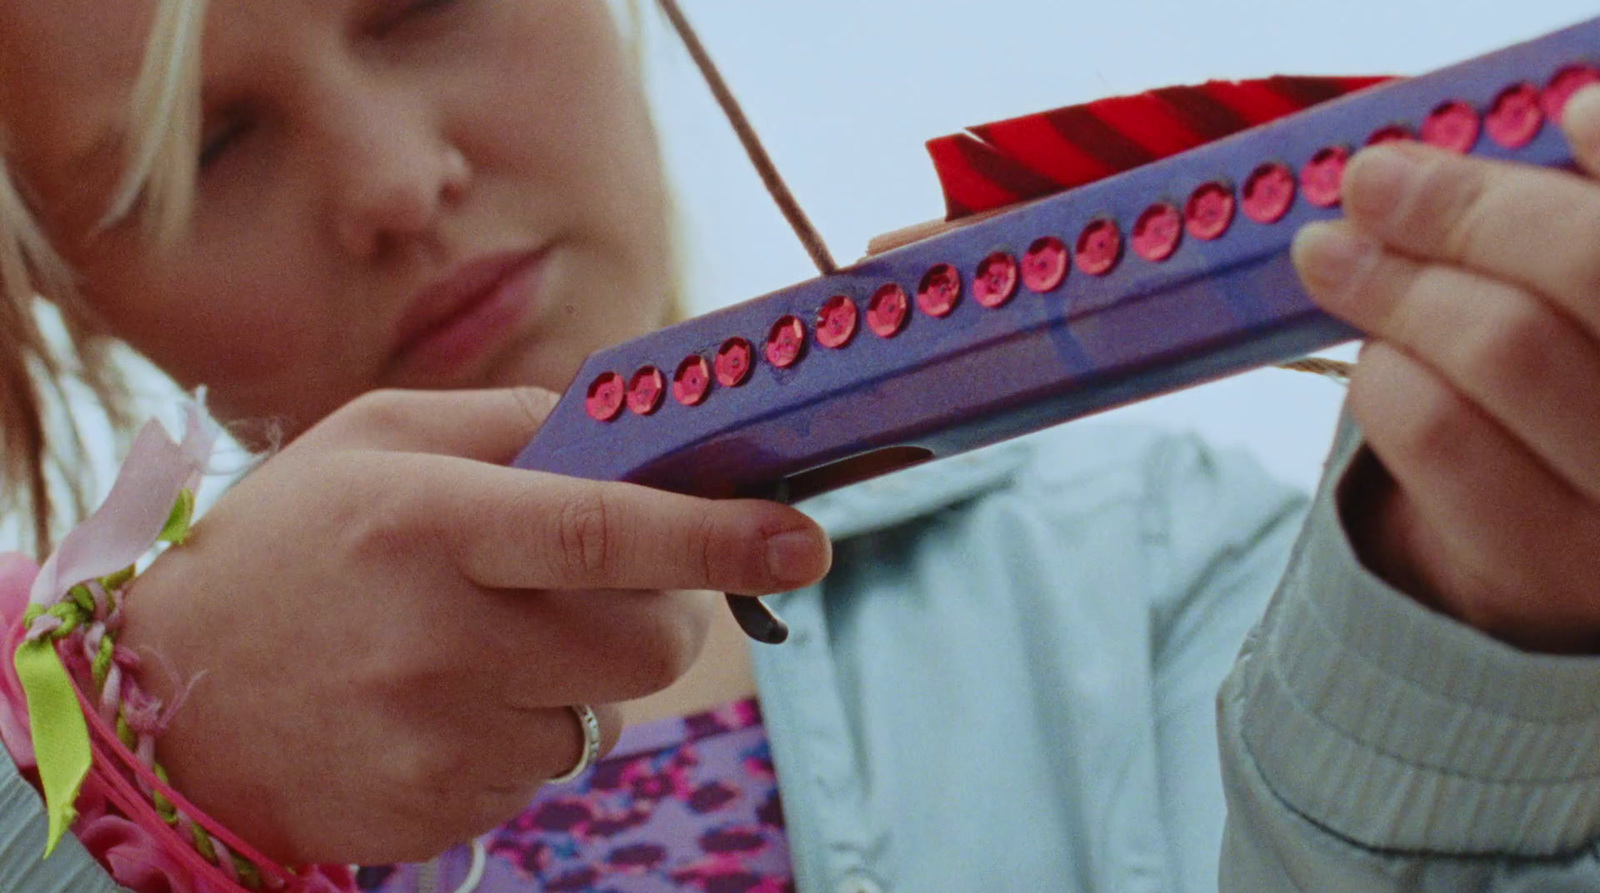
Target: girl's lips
x,y
463,316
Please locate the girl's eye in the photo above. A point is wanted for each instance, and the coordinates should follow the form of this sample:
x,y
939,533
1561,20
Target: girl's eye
x,y
219,139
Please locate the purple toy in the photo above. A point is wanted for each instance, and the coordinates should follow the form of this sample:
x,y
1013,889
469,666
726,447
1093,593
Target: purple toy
x,y
974,336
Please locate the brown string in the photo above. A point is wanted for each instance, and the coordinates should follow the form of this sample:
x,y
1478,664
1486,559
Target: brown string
x,y
809,237
1338,370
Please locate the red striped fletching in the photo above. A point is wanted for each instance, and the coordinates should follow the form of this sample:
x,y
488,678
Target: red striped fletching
x,y
1000,164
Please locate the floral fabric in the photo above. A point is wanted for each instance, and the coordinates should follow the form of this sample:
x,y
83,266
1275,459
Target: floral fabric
x,y
688,804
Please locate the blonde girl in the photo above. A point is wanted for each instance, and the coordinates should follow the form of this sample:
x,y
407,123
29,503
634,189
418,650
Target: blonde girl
x,y
378,226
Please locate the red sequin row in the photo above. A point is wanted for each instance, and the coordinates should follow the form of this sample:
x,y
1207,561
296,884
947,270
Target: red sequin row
x,y
1513,120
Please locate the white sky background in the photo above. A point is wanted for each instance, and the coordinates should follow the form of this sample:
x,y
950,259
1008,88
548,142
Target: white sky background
x,y
845,92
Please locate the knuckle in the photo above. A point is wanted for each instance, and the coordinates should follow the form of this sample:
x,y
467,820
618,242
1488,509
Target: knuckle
x,y
584,534
1430,428
1427,429
667,651
1582,278
377,537
379,410
385,525
1394,295
1512,345
405,662
705,541
534,403
426,766
663,641
655,670
377,531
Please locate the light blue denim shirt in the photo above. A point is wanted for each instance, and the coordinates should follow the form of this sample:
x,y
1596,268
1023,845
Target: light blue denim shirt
x,y
1008,681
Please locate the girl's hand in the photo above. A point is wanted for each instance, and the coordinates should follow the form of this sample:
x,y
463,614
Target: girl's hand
x,y
1479,283
385,625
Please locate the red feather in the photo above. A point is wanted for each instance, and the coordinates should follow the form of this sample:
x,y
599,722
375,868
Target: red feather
x,y
995,165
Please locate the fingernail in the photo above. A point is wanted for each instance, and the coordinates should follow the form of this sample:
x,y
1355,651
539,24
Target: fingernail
x,y
1330,256
1581,121
1378,179
1586,101
790,556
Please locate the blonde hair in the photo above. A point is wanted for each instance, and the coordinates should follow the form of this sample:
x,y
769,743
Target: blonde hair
x,y
41,447
42,452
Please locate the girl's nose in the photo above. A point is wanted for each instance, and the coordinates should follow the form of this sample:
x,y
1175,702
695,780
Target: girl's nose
x,y
399,178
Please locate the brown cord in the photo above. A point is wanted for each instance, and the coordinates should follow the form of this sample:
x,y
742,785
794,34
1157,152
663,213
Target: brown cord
x,y
1338,370
809,237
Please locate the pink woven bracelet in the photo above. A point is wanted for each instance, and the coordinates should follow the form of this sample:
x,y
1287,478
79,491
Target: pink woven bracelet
x,y
117,821
77,690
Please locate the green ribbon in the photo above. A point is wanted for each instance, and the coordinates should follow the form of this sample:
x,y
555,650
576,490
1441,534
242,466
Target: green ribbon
x,y
176,530
60,734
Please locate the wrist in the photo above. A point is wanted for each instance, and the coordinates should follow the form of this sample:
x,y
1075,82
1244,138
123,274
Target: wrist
x,y
1392,540
93,725
204,748
1379,523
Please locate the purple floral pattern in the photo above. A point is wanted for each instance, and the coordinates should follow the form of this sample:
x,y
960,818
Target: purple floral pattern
x,y
686,804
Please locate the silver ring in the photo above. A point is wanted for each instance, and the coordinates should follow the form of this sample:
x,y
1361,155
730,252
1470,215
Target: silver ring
x,y
590,724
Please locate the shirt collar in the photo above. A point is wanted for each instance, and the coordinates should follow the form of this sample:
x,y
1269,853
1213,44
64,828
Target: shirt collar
x,y
885,502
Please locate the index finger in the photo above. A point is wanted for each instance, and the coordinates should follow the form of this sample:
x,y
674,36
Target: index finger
x,y
508,528
1534,227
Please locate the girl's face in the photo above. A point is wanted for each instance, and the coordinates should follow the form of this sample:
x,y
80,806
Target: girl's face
x,y
391,193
